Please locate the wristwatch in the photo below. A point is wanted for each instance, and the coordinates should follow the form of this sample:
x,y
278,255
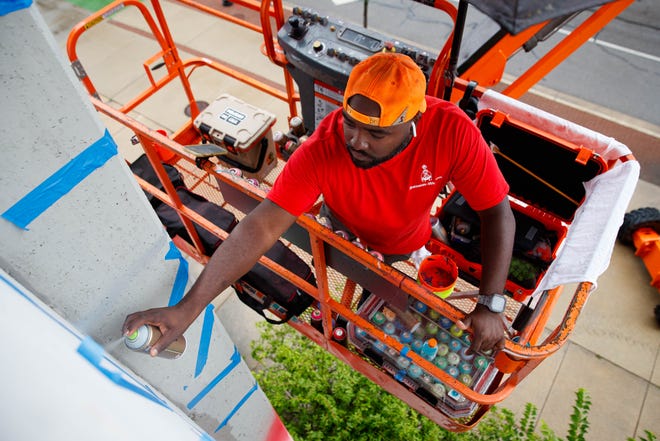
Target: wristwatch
x,y
494,302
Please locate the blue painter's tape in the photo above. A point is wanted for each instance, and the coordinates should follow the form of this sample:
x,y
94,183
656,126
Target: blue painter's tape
x,y
181,279
94,353
238,406
234,360
7,6
61,182
204,340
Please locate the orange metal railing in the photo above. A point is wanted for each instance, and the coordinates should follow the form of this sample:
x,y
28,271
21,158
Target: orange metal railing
x,y
515,362
176,67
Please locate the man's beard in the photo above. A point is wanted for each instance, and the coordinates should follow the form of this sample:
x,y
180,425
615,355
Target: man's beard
x,y
371,161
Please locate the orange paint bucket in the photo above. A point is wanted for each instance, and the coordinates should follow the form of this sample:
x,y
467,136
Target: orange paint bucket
x,y
438,273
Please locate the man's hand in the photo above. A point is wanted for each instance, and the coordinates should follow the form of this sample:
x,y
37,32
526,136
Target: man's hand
x,y
172,322
488,329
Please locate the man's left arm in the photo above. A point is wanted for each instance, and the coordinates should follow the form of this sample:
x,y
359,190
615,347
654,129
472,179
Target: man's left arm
x,y
497,235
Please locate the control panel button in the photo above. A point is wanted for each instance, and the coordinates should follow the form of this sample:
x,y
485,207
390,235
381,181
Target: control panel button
x,y
298,27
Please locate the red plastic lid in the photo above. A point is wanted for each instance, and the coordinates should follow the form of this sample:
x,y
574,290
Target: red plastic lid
x,y
339,333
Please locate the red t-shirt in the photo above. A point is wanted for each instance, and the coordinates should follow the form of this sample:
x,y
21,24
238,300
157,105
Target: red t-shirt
x,y
388,206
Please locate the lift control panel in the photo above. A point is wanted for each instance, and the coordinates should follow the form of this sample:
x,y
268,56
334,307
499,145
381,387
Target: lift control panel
x,y
322,51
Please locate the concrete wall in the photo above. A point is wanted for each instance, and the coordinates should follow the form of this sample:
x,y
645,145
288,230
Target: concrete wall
x,y
77,232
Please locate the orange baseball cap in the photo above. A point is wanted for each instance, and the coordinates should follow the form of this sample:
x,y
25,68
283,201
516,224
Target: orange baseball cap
x,y
393,81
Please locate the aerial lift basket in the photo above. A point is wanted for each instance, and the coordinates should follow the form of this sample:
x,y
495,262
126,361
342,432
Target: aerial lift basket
x,y
570,188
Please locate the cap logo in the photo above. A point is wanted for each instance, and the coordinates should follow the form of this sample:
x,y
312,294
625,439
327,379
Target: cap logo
x,y
402,117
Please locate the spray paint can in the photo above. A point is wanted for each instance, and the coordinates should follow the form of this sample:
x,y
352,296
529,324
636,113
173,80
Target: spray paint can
x,y
438,231
146,335
325,221
429,349
358,244
462,227
236,172
414,371
339,335
279,139
377,255
290,146
297,126
316,320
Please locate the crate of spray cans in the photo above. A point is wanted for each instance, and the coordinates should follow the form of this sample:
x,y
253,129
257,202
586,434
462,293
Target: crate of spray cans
x,y
434,337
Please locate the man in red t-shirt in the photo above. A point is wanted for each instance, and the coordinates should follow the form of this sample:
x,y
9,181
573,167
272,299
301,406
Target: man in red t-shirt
x,y
379,163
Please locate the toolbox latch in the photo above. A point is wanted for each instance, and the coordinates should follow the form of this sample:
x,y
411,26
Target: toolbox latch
x,y
229,142
498,119
583,156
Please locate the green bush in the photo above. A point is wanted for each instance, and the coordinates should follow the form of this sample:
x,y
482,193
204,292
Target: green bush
x,y
318,397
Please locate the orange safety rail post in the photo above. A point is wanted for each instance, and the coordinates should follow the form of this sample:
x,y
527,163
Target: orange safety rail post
x,y
93,20
168,52
173,63
275,53
436,83
566,47
542,309
267,13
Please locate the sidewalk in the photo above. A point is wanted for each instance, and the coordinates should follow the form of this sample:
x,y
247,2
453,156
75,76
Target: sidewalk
x,y
614,352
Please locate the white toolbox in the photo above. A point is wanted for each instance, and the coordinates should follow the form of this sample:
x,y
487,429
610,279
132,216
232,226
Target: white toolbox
x,y
244,130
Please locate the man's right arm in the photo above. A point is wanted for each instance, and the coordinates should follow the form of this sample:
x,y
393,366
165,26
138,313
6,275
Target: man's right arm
x,y
251,238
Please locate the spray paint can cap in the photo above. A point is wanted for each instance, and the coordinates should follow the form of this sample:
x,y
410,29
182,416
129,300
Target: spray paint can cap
x,y
146,336
138,339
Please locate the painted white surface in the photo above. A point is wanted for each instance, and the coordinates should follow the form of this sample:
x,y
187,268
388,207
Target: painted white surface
x,y
51,392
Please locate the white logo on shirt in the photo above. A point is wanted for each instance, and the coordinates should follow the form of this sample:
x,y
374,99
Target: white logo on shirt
x,y
426,178
426,174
